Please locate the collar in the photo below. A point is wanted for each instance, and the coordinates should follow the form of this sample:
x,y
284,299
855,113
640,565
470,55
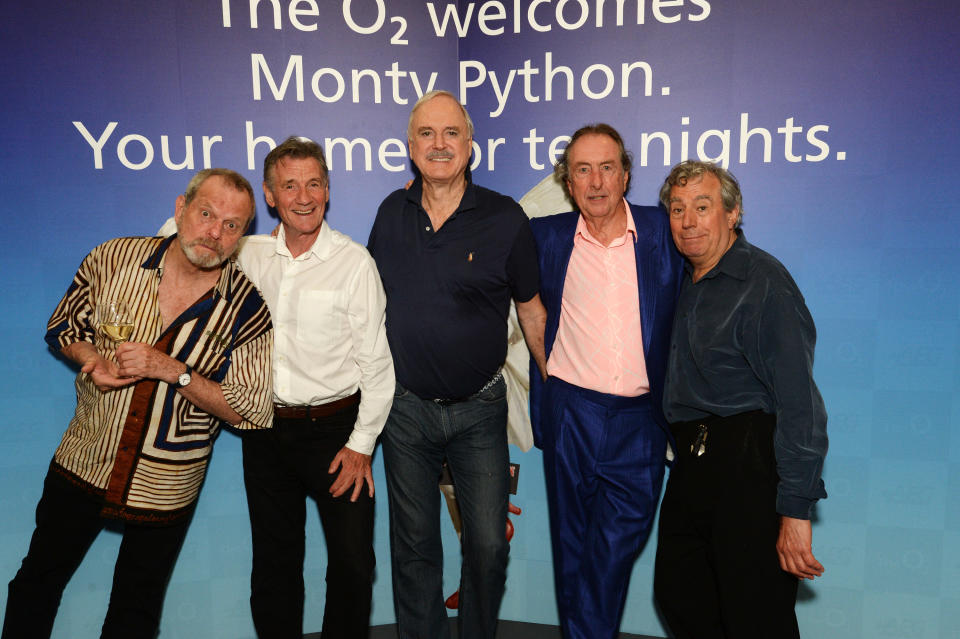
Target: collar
x,y
159,256
735,262
583,232
321,247
467,202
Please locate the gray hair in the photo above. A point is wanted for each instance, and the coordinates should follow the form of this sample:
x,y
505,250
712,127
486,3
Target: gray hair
x,y
232,178
431,95
691,169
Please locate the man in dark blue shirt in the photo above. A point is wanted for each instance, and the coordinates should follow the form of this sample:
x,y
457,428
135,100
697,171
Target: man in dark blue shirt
x,y
749,423
451,256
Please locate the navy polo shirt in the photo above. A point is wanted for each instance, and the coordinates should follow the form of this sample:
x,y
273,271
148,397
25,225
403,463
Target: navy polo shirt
x,y
448,291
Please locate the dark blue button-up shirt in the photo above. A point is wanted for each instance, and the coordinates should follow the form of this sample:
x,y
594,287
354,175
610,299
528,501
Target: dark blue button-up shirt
x,y
743,340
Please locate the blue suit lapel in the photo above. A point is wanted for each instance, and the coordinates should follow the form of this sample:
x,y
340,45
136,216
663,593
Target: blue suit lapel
x,y
554,273
646,270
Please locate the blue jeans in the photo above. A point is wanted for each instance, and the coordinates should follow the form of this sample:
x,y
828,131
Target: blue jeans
x,y
472,436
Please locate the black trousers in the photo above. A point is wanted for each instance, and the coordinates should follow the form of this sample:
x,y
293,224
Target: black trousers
x,y
68,520
717,575
282,466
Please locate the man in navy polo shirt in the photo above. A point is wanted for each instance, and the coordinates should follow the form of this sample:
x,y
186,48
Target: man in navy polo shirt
x,y
451,256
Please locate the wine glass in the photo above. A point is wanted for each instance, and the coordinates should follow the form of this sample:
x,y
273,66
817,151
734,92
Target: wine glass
x,y
115,320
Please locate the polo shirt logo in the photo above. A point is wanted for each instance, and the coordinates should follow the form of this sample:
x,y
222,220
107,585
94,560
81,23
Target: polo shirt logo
x,y
470,256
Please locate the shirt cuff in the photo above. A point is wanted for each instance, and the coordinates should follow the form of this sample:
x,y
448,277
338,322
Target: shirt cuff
x,y
796,507
256,408
361,442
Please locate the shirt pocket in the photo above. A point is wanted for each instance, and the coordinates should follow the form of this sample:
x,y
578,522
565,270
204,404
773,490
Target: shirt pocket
x,y
320,317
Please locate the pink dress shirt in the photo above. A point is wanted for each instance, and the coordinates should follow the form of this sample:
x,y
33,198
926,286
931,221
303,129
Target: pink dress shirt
x,y
599,344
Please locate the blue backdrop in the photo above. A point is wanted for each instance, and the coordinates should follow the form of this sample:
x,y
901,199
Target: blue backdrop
x,y
839,118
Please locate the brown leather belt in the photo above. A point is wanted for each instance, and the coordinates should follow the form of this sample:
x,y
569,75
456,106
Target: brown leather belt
x,y
320,410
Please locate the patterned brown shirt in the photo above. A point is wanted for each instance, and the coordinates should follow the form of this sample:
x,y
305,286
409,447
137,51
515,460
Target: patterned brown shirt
x,y
144,449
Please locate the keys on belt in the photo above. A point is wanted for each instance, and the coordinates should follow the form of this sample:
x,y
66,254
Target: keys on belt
x,y
699,446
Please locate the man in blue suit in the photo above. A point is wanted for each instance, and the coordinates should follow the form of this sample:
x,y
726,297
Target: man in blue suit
x,y
609,277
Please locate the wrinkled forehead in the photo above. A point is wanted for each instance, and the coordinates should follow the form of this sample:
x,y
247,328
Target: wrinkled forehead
x,y
442,112
217,192
594,147
293,162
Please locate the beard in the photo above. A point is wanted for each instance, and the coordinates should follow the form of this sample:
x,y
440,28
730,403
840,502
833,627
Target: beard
x,y
204,260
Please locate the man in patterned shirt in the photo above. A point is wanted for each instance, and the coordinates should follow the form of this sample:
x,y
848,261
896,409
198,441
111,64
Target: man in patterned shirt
x,y
148,410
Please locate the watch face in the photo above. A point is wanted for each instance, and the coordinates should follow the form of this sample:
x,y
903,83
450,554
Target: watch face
x,y
184,379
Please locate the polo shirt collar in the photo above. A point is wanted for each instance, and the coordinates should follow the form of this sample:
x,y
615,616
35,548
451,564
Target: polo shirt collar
x,y
467,201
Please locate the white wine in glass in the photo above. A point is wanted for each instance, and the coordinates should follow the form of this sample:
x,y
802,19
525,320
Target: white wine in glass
x,y
115,320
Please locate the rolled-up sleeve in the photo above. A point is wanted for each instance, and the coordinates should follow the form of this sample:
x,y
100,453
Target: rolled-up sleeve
x,y
248,387
72,319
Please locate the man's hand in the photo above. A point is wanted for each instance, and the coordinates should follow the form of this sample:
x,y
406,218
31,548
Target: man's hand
x,y
794,548
139,360
354,469
105,374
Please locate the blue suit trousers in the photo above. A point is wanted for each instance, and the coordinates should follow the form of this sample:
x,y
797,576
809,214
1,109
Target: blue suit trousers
x,y
604,464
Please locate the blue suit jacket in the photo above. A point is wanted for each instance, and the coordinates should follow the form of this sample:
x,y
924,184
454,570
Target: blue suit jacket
x,y
659,275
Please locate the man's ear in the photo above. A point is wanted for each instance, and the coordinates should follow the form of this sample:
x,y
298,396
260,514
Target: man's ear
x,y
732,217
178,208
268,194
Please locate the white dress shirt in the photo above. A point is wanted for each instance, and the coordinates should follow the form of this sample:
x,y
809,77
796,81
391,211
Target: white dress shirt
x,y
328,308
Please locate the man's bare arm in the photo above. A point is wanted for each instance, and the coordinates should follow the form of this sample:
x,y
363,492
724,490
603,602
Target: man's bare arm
x,y
533,321
144,361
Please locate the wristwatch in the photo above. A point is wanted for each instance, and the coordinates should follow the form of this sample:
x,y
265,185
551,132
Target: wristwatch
x,y
185,377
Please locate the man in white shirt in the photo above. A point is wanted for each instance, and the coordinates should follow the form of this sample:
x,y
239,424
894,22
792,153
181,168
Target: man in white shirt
x,y
333,384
